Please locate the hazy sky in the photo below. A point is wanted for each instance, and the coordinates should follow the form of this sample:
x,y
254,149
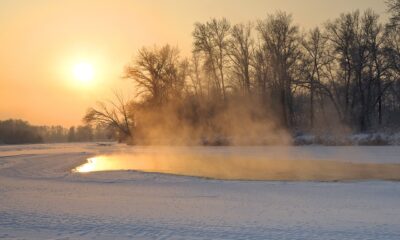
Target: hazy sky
x,y
42,40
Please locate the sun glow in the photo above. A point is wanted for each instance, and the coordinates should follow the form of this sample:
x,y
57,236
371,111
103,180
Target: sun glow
x,y
83,72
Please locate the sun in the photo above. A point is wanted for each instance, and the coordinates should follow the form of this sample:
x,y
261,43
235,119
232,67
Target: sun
x,y
83,72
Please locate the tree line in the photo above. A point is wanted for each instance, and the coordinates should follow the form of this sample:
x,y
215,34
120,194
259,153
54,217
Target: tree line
x,y
16,131
259,79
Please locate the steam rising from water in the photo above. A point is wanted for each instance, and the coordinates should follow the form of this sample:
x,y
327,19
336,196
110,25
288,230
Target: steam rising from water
x,y
234,164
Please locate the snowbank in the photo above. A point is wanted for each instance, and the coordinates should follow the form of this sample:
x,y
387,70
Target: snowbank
x,y
360,139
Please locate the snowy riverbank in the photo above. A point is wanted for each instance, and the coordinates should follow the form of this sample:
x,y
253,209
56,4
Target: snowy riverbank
x,y
40,198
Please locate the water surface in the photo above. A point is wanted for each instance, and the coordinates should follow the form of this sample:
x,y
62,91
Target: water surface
x,y
257,163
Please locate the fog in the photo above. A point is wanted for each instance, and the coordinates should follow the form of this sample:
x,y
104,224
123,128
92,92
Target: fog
x,y
237,122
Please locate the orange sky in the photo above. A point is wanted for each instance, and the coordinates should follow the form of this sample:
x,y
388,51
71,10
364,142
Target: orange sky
x,y
41,41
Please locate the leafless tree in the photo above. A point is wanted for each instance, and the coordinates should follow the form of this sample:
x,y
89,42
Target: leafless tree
x,y
341,33
241,53
358,45
280,39
158,72
211,39
261,71
394,10
116,114
316,66
195,75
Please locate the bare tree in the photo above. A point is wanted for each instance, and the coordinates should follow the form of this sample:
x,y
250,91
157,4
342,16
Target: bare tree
x,y
159,73
358,45
392,52
211,39
394,10
241,53
316,66
116,114
377,66
393,34
262,71
280,39
197,82
341,34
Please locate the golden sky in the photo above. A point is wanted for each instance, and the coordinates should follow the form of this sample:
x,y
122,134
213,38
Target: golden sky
x,y
42,40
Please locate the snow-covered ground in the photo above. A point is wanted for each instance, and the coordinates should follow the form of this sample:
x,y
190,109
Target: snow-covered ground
x,y
41,198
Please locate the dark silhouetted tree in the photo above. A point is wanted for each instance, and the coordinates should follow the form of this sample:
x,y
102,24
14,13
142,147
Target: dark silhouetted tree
x,y
212,40
159,73
114,114
280,39
241,54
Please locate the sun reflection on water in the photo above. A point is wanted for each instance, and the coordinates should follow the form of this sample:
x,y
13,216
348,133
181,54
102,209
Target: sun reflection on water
x,y
90,166
115,162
